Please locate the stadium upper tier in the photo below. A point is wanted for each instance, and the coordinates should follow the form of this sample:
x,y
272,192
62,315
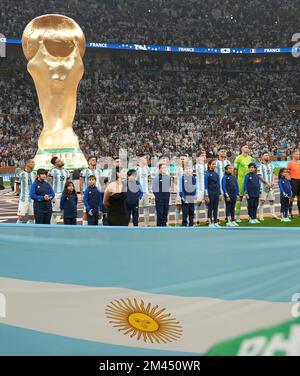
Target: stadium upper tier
x,y
161,105
205,23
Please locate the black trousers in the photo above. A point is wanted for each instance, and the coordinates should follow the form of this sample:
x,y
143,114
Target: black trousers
x,y
162,211
92,220
42,214
295,183
70,221
212,207
188,214
230,207
105,219
133,210
252,207
284,201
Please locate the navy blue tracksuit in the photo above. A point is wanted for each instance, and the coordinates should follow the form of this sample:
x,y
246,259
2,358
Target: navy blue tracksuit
x,y
42,208
252,189
134,194
161,185
285,194
92,201
188,193
68,204
230,188
212,190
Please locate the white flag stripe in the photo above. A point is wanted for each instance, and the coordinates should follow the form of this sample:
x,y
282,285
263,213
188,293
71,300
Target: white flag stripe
x,y
79,312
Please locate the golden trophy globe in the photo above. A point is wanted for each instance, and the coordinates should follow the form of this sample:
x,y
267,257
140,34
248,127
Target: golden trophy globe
x,y
54,46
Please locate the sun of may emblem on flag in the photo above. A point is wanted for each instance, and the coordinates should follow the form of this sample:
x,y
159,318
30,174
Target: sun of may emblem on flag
x,y
150,323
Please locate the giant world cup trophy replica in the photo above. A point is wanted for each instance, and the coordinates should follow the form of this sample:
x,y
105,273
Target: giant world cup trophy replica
x,y
54,46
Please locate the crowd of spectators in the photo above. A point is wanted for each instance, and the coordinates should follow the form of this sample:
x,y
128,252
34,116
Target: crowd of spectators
x,y
161,106
199,23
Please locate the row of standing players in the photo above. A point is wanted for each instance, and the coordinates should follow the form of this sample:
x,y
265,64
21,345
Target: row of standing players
x,y
121,196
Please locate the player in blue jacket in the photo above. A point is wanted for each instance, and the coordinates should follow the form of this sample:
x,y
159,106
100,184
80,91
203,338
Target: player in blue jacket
x,y
252,189
286,194
212,193
188,194
230,189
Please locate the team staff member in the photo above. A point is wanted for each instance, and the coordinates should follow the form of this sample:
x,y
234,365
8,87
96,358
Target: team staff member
x,y
294,167
230,189
42,194
161,186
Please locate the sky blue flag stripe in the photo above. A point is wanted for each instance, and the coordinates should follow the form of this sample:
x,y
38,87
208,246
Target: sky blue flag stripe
x,y
18,341
260,264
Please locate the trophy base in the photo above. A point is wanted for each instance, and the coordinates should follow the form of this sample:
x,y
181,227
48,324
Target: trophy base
x,y
73,158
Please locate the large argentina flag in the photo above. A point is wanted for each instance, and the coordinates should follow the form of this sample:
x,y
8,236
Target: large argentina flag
x,y
141,291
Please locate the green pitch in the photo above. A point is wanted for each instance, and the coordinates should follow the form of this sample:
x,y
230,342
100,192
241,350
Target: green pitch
x,y
269,222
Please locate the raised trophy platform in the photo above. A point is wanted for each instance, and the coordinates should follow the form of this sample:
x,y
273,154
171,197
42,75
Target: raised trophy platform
x,y
73,158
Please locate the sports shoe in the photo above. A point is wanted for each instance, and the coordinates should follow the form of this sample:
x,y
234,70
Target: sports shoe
x,y
275,217
256,220
261,218
217,225
238,219
252,221
229,224
211,225
234,224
